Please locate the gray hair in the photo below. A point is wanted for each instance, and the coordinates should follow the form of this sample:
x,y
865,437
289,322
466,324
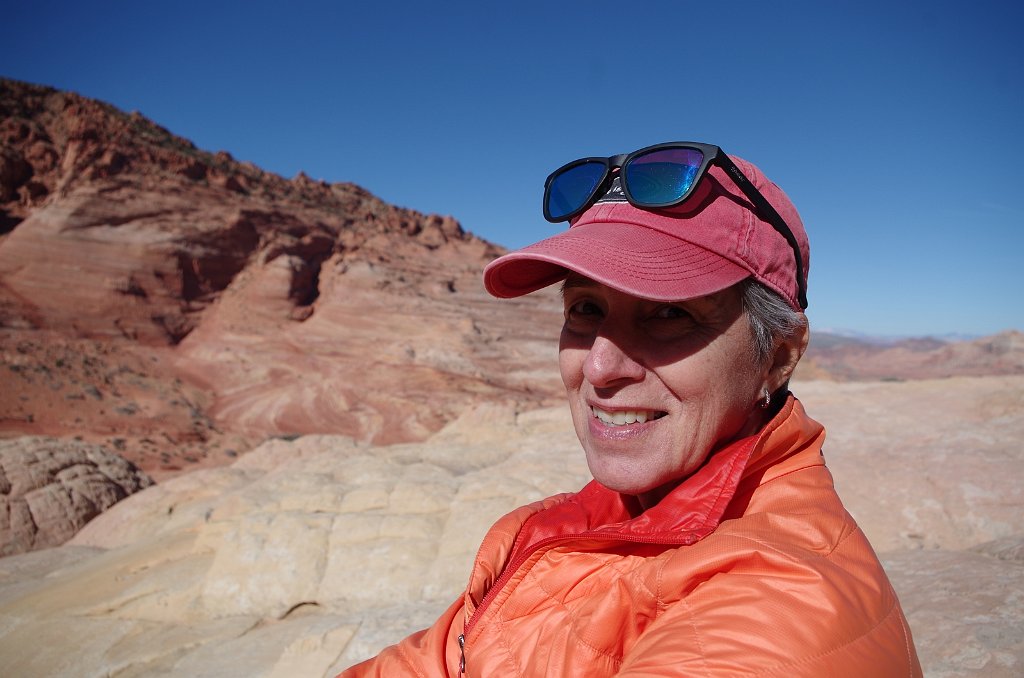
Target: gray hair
x,y
771,318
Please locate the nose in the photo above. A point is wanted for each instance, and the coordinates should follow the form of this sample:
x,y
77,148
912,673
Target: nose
x,y
608,365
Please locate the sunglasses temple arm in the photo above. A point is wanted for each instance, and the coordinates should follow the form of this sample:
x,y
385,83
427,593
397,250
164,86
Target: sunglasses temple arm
x,y
776,220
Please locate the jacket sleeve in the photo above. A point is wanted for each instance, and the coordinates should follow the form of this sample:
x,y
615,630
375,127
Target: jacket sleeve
x,y
784,619
431,653
675,647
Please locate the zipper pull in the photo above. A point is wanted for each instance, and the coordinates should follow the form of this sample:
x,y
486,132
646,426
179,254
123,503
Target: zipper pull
x,y
462,653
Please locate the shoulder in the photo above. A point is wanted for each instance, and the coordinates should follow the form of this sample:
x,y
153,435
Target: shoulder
x,y
792,585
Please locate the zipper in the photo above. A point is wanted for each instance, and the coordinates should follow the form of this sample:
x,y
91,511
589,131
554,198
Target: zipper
x,y
499,584
690,536
682,540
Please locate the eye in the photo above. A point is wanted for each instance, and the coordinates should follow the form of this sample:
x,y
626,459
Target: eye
x,y
581,310
582,315
583,307
670,322
672,313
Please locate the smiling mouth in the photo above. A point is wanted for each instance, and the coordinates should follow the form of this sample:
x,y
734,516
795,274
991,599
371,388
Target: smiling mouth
x,y
625,417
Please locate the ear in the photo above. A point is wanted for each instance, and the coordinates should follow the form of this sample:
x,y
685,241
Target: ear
x,y
787,355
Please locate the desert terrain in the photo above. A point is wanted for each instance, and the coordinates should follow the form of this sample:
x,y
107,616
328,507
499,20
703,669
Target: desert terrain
x,y
252,425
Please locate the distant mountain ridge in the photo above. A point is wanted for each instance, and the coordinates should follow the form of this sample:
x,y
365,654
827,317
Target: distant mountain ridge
x,y
845,358
883,339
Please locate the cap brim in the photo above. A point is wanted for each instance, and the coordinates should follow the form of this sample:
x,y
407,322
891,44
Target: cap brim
x,y
639,261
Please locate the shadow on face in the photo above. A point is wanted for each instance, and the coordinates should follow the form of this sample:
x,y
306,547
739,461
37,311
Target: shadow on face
x,y
650,333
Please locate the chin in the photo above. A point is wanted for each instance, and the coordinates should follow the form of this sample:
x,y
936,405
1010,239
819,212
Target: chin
x,y
624,480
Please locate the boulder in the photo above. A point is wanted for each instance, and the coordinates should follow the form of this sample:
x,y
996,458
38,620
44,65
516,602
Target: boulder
x,y
50,488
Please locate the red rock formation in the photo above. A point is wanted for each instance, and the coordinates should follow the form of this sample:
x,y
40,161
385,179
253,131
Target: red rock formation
x,y
221,304
285,306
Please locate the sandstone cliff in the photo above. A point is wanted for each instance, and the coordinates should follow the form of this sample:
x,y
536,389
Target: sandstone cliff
x,y
179,306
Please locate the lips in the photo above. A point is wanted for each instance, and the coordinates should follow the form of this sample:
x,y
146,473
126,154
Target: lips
x,y
625,417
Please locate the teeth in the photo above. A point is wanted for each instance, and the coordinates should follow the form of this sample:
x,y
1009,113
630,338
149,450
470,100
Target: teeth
x,y
623,418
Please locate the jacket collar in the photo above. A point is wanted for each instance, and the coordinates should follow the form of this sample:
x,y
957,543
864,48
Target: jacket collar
x,y
699,503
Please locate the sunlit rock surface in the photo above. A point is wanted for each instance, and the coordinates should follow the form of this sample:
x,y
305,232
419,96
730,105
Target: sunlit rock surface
x,y
181,308
305,556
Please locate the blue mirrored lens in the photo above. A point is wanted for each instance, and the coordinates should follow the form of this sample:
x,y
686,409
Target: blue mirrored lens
x,y
571,189
662,177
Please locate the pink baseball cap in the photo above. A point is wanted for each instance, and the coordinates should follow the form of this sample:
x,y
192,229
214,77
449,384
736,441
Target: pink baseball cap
x,y
712,241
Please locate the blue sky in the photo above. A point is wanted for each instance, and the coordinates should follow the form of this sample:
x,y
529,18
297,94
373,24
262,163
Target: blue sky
x,y
894,127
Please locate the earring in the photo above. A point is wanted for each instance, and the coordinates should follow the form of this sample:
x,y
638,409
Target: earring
x,y
767,400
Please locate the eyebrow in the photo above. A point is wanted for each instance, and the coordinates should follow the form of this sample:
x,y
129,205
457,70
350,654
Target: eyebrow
x,y
578,281
575,280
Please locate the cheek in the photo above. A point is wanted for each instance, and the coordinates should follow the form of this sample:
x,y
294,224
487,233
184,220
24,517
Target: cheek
x,y
718,388
570,363
571,368
736,395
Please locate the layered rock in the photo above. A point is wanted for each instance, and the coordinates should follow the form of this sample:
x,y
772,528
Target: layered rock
x,y
305,556
181,307
241,305
300,557
244,305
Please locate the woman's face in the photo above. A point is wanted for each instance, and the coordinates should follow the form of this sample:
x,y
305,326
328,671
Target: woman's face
x,y
654,387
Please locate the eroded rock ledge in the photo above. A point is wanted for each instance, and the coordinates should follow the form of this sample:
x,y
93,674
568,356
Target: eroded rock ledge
x,y
305,556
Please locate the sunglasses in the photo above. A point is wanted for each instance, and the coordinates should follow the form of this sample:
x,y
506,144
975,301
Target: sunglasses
x,y
656,177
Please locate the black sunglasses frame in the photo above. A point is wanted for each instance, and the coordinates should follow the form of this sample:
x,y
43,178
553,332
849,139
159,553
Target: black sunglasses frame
x,y
712,155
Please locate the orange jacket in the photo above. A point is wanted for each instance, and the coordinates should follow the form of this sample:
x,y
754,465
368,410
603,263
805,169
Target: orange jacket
x,y
751,566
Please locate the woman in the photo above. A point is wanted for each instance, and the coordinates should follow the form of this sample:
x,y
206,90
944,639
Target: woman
x,y
711,541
